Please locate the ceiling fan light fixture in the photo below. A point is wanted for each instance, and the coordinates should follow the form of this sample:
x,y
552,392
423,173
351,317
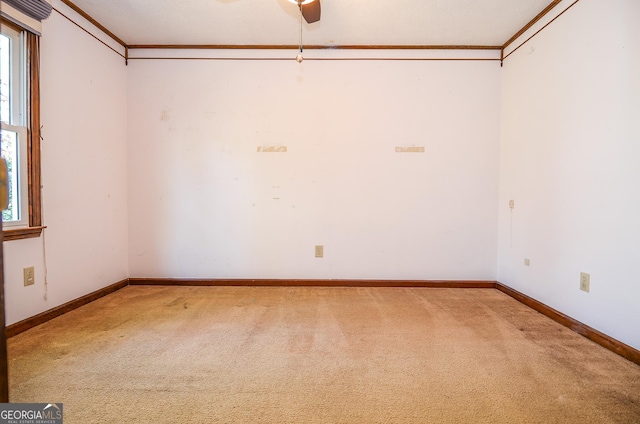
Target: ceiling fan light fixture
x,y
303,1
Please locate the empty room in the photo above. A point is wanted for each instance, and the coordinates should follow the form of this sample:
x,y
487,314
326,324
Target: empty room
x,y
320,211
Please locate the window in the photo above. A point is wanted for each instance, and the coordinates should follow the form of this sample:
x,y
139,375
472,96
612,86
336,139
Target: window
x,y
20,130
13,127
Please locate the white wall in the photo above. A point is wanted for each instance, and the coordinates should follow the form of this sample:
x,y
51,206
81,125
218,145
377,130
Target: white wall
x,y
570,145
84,174
203,203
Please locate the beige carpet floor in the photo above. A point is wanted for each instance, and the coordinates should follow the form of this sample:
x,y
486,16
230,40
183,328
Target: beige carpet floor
x,y
318,355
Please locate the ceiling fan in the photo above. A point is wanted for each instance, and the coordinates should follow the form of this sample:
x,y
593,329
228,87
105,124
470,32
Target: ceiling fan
x,y
310,9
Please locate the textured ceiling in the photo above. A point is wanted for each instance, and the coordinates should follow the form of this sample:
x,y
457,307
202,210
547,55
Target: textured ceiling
x,y
343,22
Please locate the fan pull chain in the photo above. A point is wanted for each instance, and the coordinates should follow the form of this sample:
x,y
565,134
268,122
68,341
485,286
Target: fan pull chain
x,y
299,58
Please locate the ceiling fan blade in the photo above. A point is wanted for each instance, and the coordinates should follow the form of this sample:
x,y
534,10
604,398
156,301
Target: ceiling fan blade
x,y
311,11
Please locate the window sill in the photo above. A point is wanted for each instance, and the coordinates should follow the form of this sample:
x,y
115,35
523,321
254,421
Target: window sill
x,y
22,233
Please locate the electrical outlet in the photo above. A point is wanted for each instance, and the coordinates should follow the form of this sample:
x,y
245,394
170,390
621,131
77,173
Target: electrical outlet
x,y
319,251
29,278
527,262
512,204
585,281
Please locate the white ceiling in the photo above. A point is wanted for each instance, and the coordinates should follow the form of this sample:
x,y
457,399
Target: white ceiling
x,y
343,22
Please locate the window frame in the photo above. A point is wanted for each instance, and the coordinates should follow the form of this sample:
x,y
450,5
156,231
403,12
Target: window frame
x,y
33,227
